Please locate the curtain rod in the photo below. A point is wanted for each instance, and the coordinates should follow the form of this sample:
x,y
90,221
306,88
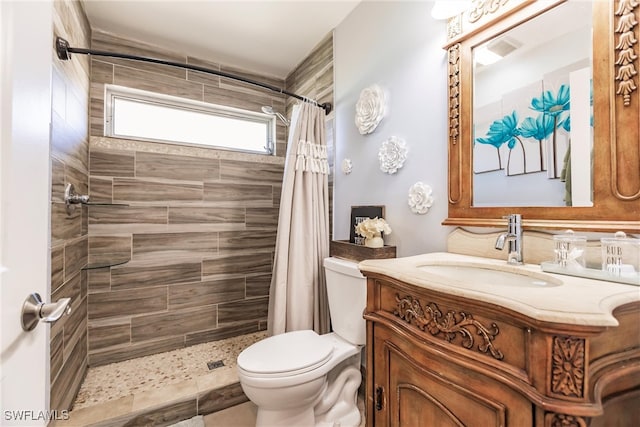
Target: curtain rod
x,y
64,50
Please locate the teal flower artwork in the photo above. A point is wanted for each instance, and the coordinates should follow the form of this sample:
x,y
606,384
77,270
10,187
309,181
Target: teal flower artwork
x,y
503,131
553,106
539,129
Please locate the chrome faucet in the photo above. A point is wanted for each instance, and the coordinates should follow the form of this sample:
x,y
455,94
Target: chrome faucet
x,y
514,237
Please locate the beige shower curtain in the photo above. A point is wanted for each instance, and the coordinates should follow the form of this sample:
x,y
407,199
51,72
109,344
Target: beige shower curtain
x,y
298,297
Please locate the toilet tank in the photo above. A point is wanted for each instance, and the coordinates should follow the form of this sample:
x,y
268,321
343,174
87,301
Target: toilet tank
x,y
347,293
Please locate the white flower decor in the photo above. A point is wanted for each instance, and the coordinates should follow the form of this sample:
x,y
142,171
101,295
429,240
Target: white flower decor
x,y
420,198
347,166
372,227
392,155
370,109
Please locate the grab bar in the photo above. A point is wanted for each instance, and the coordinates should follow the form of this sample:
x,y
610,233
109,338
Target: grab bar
x,y
35,310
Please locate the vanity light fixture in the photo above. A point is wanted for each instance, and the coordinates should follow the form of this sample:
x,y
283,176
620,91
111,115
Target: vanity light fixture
x,y
445,9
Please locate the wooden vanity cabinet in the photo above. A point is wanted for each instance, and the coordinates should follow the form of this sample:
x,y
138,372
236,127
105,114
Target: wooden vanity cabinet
x,y
435,359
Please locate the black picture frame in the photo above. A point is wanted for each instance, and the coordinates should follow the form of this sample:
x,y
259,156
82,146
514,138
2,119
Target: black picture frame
x,y
358,214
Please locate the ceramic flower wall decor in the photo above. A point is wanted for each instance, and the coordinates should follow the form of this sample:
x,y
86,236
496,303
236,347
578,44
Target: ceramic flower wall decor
x,y
420,198
347,166
392,155
370,109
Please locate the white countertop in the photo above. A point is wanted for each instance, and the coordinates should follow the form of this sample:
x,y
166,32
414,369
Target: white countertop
x,y
570,300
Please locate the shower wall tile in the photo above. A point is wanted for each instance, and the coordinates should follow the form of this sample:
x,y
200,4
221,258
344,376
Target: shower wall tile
x,y
258,286
57,267
101,71
221,333
247,241
242,311
127,215
100,190
154,82
98,280
207,215
238,171
103,249
221,398
178,322
69,164
139,190
186,168
238,264
138,275
104,335
75,256
175,245
238,194
111,163
121,304
262,218
206,293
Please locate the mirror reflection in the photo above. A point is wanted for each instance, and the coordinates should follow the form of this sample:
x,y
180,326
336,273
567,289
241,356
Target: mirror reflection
x,y
533,112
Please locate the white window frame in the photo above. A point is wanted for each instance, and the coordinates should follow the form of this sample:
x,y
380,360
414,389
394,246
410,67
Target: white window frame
x,y
113,92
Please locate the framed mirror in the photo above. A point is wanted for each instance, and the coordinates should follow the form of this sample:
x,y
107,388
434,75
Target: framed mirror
x,y
549,130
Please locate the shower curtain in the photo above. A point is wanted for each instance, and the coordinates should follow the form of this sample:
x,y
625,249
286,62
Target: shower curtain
x,y
298,296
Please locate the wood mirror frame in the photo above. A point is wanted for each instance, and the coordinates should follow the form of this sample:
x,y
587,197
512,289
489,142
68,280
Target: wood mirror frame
x,y
616,98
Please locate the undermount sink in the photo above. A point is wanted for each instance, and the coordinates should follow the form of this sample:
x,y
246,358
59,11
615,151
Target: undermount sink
x,y
490,275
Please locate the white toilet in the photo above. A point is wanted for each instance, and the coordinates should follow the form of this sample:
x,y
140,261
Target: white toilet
x,y
304,379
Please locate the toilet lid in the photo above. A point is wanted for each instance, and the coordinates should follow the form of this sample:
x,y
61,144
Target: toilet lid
x,y
291,353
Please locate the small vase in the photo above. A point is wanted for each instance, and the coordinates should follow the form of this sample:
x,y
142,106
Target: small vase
x,y
374,242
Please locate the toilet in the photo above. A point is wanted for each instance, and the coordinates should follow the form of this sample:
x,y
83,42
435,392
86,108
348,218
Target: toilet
x,y
304,379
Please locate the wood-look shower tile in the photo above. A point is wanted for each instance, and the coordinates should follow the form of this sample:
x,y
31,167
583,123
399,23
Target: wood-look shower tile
x,y
262,217
171,166
277,194
98,280
238,264
75,256
220,333
78,178
205,293
100,190
57,180
57,267
67,144
96,109
109,42
239,171
226,95
153,82
175,245
57,357
145,190
109,248
130,351
242,311
256,195
201,77
206,215
249,240
127,302
107,334
221,398
76,328
63,225
101,71
96,414
166,414
141,275
112,163
258,285
72,289
64,386
171,323
182,390
127,215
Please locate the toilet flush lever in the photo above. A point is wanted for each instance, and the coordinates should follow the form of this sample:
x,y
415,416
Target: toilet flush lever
x,y
34,310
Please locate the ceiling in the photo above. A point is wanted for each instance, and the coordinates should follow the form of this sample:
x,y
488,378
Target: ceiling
x,y
270,37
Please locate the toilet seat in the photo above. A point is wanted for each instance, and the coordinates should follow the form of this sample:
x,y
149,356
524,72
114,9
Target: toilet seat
x,y
284,355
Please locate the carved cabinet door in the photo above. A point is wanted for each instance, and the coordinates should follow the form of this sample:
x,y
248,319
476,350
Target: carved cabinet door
x,y
413,389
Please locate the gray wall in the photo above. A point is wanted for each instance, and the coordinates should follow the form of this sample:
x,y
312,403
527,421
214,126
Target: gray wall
x,y
398,46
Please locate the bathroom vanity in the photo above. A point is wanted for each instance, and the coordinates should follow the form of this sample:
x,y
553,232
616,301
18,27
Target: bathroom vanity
x,y
457,340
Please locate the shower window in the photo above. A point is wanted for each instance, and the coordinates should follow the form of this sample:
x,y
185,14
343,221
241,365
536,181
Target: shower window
x,y
142,115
